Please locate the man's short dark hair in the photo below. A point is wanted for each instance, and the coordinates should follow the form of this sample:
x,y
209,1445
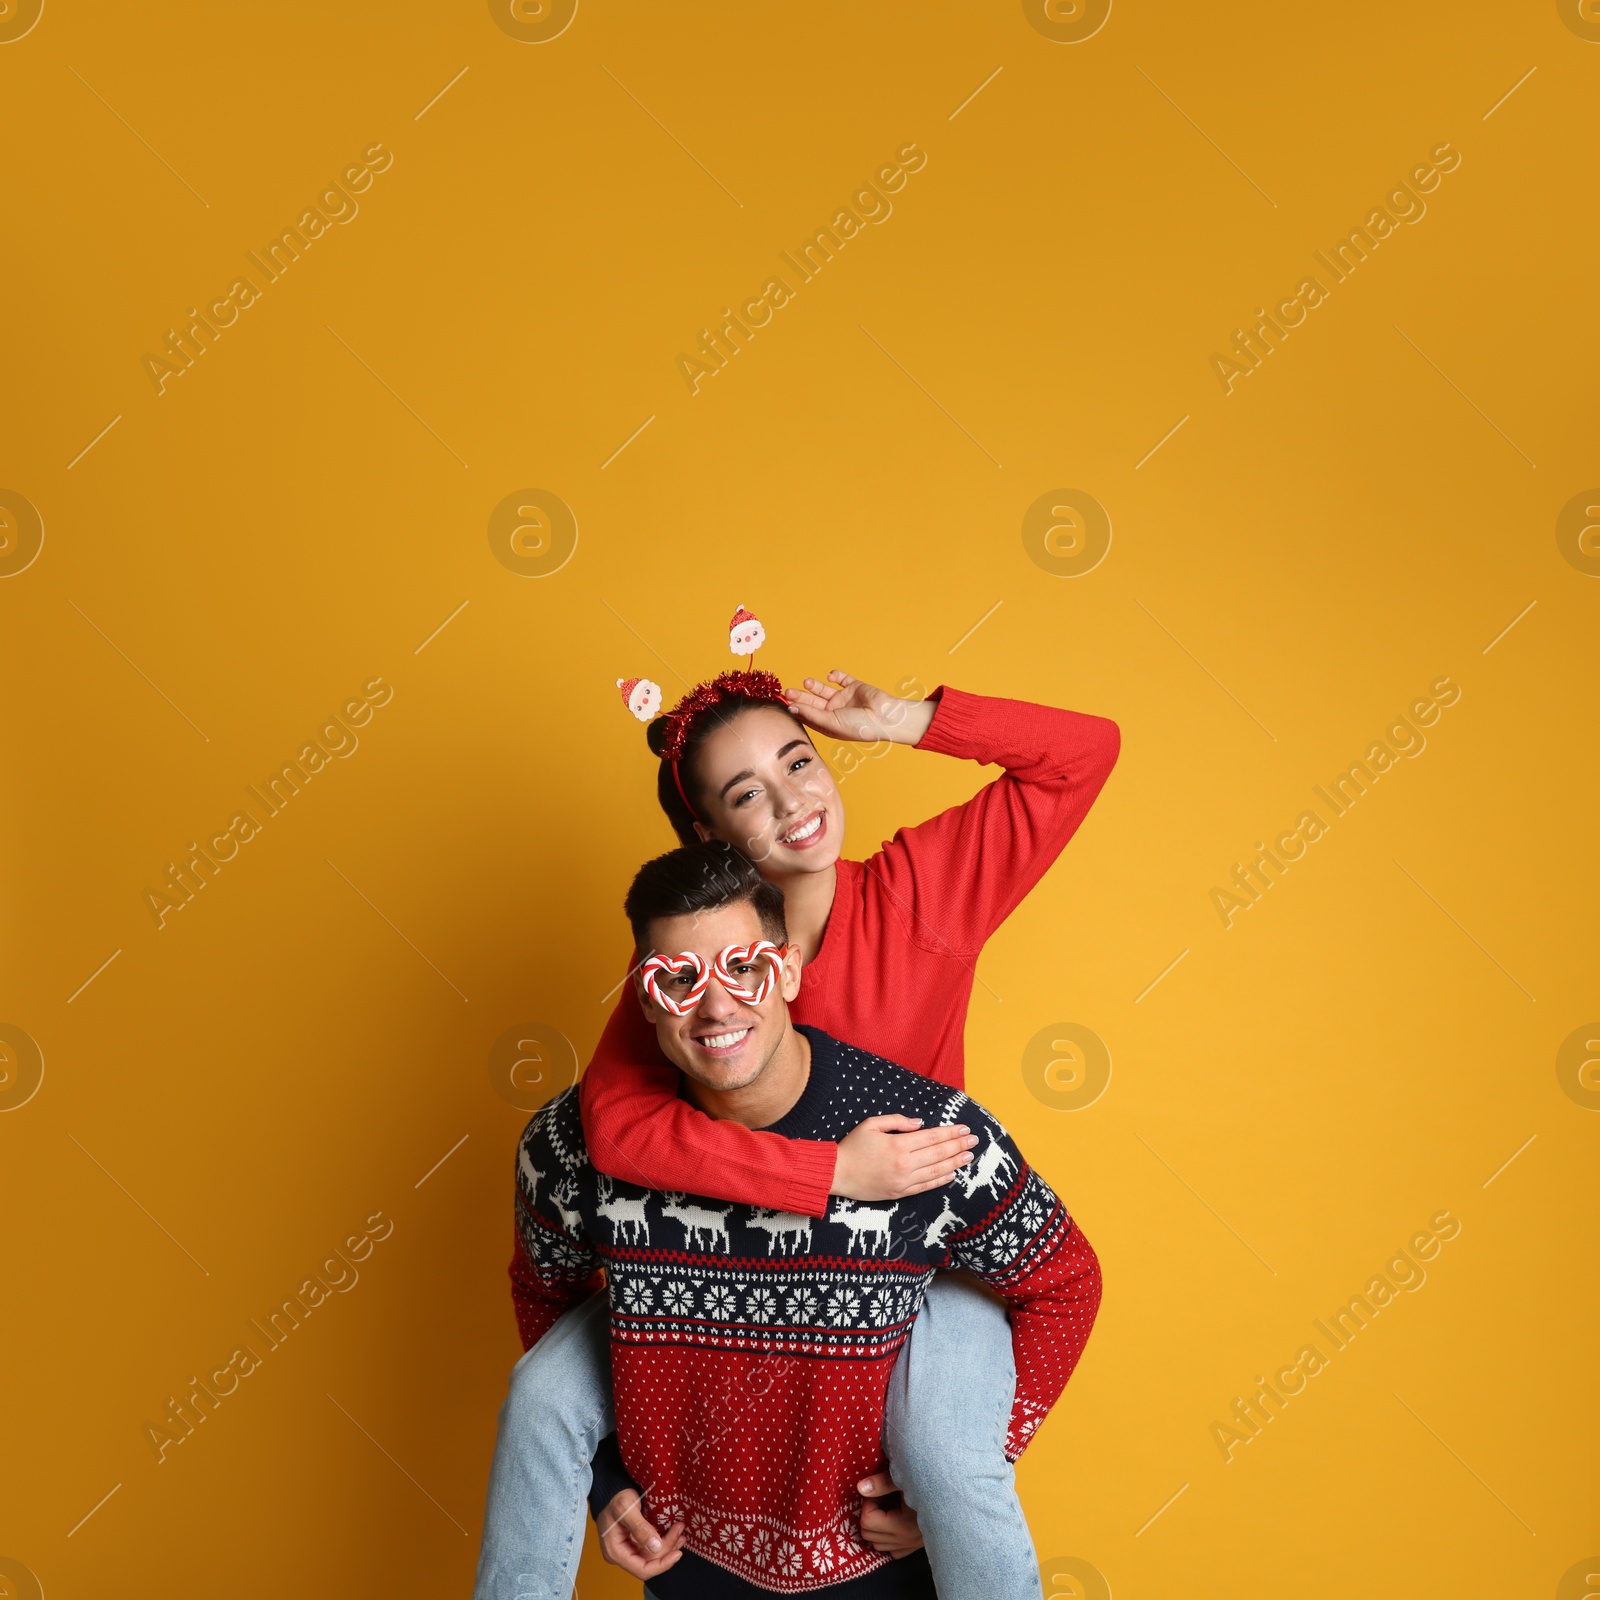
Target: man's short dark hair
x,y
701,877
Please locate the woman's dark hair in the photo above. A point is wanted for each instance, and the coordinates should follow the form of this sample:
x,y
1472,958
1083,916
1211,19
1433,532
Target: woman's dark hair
x,y
701,877
720,715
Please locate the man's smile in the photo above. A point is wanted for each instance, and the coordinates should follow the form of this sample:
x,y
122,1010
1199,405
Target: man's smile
x,y
724,1043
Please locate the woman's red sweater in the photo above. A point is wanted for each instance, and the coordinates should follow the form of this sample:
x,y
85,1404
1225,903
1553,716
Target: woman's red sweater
x,y
894,974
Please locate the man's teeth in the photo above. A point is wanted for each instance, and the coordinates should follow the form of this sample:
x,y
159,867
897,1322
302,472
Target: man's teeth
x,y
805,832
724,1041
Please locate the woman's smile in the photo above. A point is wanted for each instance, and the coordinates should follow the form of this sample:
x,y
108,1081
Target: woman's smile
x,y
805,834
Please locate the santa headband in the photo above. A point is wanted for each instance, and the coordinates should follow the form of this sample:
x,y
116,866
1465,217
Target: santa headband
x,y
643,698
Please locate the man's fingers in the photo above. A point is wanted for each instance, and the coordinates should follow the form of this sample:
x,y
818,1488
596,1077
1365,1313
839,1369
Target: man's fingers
x,y
893,1533
618,1546
618,1549
880,1483
640,1529
628,1538
890,1533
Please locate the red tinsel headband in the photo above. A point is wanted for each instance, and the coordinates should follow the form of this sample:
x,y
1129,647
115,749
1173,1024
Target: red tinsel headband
x,y
703,697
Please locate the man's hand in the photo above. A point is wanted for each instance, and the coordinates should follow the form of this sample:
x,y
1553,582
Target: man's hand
x,y
888,1524
628,1539
886,1158
846,708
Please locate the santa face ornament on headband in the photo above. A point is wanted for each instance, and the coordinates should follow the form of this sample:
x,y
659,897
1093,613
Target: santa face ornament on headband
x,y
749,972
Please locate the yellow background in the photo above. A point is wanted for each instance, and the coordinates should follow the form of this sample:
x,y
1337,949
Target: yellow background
x,y
299,1047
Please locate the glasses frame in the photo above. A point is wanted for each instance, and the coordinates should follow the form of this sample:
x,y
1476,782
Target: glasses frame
x,y
688,960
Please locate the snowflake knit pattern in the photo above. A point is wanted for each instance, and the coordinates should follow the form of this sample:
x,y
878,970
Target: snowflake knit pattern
x,y
751,1348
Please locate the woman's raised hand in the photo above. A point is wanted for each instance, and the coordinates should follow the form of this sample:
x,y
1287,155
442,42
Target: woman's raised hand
x,y
846,708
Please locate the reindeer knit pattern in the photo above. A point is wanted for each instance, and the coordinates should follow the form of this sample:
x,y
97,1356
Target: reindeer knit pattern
x,y
751,1348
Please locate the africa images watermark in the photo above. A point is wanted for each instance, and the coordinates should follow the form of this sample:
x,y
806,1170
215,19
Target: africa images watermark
x,y
336,738
870,203
1404,738
1402,1271
1403,203
335,204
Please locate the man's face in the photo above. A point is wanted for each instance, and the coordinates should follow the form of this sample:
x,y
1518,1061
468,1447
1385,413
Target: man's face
x,y
724,1043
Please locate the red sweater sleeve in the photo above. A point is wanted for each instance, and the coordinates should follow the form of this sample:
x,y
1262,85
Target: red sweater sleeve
x,y
955,878
1030,1252
639,1128
538,1300
1052,1313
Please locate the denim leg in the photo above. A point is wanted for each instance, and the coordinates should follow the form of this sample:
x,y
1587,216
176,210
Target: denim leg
x,y
949,1401
557,1411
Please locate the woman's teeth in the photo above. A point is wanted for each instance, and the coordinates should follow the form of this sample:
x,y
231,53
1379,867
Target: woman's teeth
x,y
723,1041
803,833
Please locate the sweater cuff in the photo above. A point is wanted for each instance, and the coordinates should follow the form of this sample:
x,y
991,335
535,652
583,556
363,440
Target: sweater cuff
x,y
957,726
1023,1424
610,1476
807,1179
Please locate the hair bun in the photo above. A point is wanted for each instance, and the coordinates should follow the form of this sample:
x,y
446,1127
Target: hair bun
x,y
656,735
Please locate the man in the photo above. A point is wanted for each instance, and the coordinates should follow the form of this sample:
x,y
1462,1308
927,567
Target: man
x,y
752,1349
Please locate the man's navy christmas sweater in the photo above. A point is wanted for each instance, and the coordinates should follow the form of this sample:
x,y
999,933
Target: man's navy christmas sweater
x,y
751,1348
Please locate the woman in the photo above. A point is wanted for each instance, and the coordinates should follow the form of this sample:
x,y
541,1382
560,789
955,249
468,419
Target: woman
x,y
889,947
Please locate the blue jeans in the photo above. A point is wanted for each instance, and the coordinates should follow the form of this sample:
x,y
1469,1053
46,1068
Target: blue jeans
x,y
556,1412
944,1432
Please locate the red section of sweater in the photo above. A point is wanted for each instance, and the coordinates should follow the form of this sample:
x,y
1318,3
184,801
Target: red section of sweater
x,y
751,1374
896,967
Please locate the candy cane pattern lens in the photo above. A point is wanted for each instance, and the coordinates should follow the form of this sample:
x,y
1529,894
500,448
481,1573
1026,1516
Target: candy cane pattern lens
x,y
743,955
685,1002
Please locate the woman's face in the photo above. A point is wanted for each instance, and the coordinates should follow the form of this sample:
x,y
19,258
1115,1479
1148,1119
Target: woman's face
x,y
760,786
